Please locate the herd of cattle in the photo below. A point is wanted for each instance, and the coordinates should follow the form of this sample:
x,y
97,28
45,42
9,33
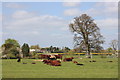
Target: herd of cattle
x,y
50,60
53,60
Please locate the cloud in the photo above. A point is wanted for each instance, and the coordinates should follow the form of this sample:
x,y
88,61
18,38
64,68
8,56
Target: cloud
x,y
38,29
14,5
99,9
107,9
22,14
109,23
22,20
72,12
71,4
1,17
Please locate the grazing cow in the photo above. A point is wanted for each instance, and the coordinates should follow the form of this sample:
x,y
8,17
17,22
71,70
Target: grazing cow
x,y
68,59
58,56
19,59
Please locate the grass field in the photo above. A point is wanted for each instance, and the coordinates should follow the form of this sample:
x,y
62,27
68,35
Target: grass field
x,y
100,69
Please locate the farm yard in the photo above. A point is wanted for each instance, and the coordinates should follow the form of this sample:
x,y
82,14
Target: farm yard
x,y
102,68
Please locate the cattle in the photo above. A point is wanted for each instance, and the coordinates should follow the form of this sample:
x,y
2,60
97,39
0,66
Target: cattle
x,y
92,61
58,56
19,59
75,62
109,61
33,63
68,59
79,64
52,62
55,63
46,61
52,57
42,56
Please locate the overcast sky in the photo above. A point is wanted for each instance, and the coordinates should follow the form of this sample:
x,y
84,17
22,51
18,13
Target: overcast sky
x,y
46,23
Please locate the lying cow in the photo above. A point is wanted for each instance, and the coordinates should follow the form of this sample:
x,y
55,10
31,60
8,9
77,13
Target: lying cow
x,y
42,56
92,61
75,62
46,61
52,62
78,63
55,63
68,59
58,56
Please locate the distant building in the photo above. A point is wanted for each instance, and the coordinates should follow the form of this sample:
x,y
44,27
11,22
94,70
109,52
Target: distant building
x,y
32,50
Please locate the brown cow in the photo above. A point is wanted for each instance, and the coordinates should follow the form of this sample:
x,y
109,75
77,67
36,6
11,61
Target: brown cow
x,y
55,63
58,56
46,61
68,59
75,62
52,62
43,56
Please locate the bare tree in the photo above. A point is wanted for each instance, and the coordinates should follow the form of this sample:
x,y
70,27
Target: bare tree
x,y
86,32
114,45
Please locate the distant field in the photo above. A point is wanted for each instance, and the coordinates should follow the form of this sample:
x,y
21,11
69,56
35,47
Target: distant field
x,y
99,69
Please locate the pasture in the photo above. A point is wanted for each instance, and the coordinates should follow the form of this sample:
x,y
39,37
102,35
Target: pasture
x,y
99,69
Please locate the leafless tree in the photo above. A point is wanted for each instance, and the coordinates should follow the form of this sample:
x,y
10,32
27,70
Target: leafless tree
x,y
114,45
86,32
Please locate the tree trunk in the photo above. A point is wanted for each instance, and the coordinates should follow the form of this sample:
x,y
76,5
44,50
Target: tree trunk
x,y
88,51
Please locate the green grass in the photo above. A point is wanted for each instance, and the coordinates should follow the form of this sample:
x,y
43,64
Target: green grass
x,y
99,69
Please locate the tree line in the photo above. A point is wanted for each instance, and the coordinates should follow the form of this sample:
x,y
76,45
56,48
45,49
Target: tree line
x,y
11,48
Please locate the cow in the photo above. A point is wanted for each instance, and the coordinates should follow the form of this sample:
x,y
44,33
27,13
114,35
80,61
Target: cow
x,y
55,63
92,61
33,63
46,61
58,56
52,57
52,62
75,62
109,61
19,59
78,63
42,56
68,59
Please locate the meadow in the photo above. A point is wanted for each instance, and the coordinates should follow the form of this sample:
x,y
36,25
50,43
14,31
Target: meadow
x,y
99,69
